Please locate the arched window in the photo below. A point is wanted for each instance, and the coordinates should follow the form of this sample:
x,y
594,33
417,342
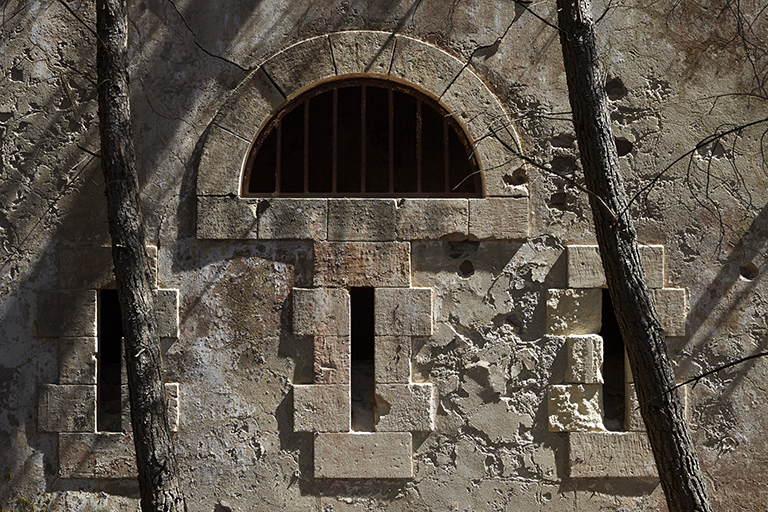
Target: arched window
x,y
362,137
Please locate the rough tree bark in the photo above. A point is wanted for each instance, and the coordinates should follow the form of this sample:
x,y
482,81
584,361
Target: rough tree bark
x,y
159,480
662,412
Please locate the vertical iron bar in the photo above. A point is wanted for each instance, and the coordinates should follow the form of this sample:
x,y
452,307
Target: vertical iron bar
x,y
278,157
362,138
335,143
306,146
418,145
445,155
391,142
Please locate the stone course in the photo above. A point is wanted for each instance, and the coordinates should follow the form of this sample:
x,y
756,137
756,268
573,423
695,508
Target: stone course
x,y
225,218
498,218
66,313
293,219
672,306
585,267
432,219
365,264
367,220
106,455
77,360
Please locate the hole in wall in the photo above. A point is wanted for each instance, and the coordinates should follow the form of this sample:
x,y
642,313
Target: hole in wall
x,y
749,271
613,367
109,373
615,89
558,199
465,249
623,147
564,165
466,268
361,302
564,140
518,177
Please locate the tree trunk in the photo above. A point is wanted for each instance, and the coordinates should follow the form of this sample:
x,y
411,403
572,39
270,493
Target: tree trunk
x,y
155,457
662,411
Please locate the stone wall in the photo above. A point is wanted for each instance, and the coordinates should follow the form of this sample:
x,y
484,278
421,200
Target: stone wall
x,y
490,372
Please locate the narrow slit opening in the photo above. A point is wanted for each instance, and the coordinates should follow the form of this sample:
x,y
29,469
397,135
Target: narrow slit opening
x,y
613,367
362,341
109,374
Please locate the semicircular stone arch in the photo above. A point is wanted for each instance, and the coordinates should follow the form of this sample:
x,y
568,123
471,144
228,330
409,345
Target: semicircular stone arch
x,y
502,212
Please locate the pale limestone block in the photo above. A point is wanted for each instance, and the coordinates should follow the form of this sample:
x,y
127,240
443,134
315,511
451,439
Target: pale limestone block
x,y
474,105
366,264
332,359
227,218
585,267
301,65
672,307
174,409
504,172
610,455
221,162
321,408
403,311
633,419
585,359
405,407
498,218
66,408
411,57
77,360
364,455
321,312
572,312
362,51
167,313
246,109
432,219
575,407
361,220
293,219
66,313
392,359
103,455
85,266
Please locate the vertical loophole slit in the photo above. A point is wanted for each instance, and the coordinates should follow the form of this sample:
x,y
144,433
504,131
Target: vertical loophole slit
x,y
362,340
109,372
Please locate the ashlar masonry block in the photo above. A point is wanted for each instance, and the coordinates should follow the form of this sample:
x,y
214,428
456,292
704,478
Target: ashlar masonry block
x,y
610,455
91,266
66,408
433,219
575,407
366,220
672,306
392,359
585,267
249,105
66,313
301,64
332,359
365,264
321,408
573,311
362,51
227,218
321,312
633,419
364,455
77,360
222,159
293,219
167,313
403,311
103,455
405,407
585,359
498,218
411,57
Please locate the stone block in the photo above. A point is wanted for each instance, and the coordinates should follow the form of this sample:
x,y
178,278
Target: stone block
x,y
293,219
610,455
362,51
103,455
321,408
66,408
249,105
174,409
85,266
221,162
167,313
300,65
411,57
365,264
585,359
504,172
498,218
633,419
575,407
403,311
585,267
77,360
474,105
332,359
433,219
574,311
227,218
364,455
392,359
672,306
366,220
66,313
321,312
405,407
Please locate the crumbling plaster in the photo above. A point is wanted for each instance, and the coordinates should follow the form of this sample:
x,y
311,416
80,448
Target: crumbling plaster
x,y
237,357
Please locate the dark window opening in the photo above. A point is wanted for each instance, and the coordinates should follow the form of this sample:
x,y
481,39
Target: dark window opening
x,y
109,373
362,138
362,339
613,367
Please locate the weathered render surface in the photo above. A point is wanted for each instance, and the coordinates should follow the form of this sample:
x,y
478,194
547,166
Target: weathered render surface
x,y
491,367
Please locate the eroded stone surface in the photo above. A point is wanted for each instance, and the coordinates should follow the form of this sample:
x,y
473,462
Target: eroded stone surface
x,y
300,65
672,306
585,359
403,311
573,311
332,359
293,219
412,56
66,408
610,455
498,218
369,220
320,312
321,408
77,360
66,313
167,313
223,218
103,455
363,455
575,407
366,264
585,267
362,51
221,161
393,359
248,107
432,219
405,407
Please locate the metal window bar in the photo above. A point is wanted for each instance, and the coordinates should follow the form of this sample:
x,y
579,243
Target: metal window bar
x,y
279,157
306,146
391,112
335,142
362,138
418,146
446,151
